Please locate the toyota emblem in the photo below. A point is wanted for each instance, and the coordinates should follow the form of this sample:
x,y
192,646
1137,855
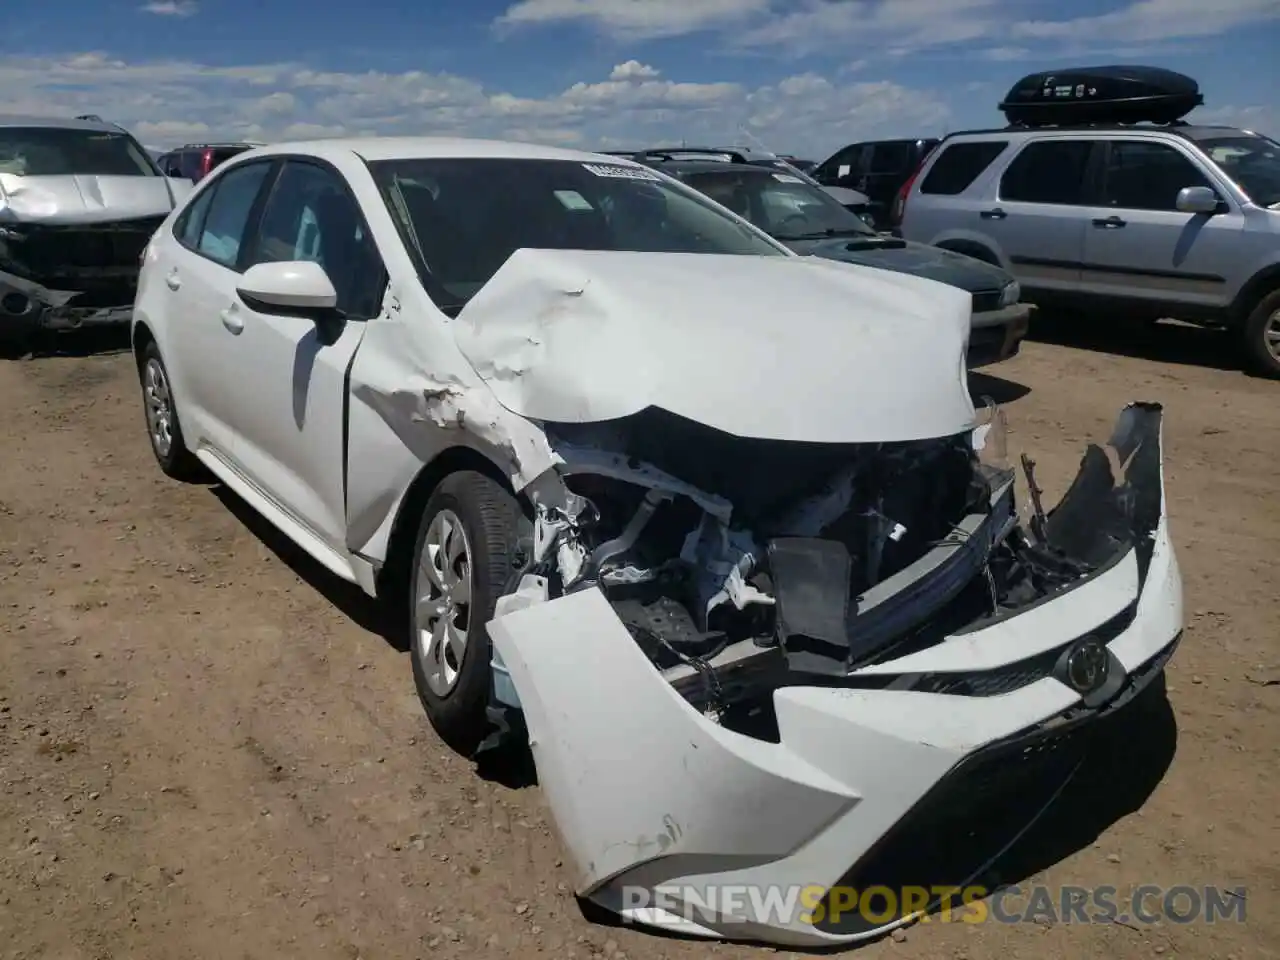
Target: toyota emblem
x,y
1087,665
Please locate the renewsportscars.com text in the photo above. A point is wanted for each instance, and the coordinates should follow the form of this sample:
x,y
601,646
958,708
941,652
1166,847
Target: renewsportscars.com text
x,y
1146,904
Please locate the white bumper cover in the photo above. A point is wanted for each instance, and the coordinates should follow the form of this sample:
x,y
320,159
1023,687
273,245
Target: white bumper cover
x,y
668,817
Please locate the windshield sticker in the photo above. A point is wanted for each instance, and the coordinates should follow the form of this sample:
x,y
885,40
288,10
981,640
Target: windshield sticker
x,y
620,172
786,178
573,200
843,170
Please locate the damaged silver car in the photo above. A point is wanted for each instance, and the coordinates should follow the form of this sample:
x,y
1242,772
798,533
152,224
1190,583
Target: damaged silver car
x,y
79,200
714,528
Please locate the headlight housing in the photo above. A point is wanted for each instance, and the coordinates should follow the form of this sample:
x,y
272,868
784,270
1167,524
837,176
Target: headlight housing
x,y
1011,293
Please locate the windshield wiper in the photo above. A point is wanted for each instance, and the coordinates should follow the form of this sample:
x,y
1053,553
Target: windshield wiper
x,y
829,232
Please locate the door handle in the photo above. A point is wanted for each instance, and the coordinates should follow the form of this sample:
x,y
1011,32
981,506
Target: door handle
x,y
996,214
172,280
231,319
1109,223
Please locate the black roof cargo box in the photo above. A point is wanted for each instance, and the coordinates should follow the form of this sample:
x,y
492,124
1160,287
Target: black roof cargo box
x,y
1101,95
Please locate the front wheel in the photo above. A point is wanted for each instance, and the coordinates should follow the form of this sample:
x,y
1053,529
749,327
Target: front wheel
x,y
466,551
163,428
1262,337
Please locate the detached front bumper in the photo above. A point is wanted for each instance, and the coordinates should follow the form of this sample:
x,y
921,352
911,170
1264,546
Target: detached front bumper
x,y
998,334
26,306
677,822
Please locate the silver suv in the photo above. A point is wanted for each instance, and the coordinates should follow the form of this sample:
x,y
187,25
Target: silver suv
x,y
1155,220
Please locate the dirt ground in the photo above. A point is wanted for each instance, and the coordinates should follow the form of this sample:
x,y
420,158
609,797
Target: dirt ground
x,y
207,748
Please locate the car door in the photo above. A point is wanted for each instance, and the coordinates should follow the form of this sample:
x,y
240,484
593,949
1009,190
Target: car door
x,y
846,168
1039,215
1140,247
888,165
199,273
288,407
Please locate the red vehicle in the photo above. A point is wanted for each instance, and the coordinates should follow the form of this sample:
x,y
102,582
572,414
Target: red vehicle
x,y
195,160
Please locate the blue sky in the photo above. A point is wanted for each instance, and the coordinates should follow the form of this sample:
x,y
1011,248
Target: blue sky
x,y
803,76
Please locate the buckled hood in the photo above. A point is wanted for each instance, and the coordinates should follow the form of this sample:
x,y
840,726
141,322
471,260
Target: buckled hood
x,y
85,198
788,348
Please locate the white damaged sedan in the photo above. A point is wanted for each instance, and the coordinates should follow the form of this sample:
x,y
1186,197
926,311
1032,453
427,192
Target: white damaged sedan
x,y
714,527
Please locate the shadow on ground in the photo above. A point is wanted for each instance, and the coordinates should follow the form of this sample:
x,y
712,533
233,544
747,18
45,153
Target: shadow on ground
x,y
1167,341
983,385
349,599
88,342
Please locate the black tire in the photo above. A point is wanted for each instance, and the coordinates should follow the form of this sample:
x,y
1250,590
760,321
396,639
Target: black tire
x,y
494,522
176,461
1261,360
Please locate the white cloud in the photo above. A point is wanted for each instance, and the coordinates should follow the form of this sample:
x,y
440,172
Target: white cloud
x,y
168,102
633,19
896,27
802,27
1001,54
633,70
1153,20
171,8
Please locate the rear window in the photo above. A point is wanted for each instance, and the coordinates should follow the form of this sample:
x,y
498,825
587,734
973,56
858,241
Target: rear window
x,y
59,152
189,163
223,154
959,165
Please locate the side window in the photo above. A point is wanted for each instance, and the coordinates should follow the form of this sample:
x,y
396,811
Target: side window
x,y
190,222
1142,175
228,218
891,157
959,165
843,164
189,164
311,215
1048,171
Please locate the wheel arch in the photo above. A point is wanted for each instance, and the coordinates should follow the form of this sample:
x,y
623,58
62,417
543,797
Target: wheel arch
x,y
404,526
1258,286
139,337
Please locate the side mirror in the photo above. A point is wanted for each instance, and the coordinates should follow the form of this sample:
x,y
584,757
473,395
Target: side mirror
x,y
298,287
1197,200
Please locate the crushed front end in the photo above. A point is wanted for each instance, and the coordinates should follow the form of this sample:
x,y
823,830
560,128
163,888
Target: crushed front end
x,y
57,276
750,664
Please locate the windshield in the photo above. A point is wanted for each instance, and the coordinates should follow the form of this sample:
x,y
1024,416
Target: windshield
x,y
463,217
780,204
56,152
1252,162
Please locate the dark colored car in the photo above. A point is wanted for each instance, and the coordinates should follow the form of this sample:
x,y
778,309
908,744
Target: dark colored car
x,y
852,200
804,166
878,168
195,160
808,220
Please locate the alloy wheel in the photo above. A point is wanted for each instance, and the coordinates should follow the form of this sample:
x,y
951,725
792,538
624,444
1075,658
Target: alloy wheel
x,y
1271,336
159,406
442,606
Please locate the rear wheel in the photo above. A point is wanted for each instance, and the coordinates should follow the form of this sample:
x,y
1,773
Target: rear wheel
x,y
466,550
164,430
1262,337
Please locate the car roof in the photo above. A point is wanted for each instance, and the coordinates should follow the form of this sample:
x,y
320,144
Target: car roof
x,y
677,167
57,123
425,148
1188,131
223,145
